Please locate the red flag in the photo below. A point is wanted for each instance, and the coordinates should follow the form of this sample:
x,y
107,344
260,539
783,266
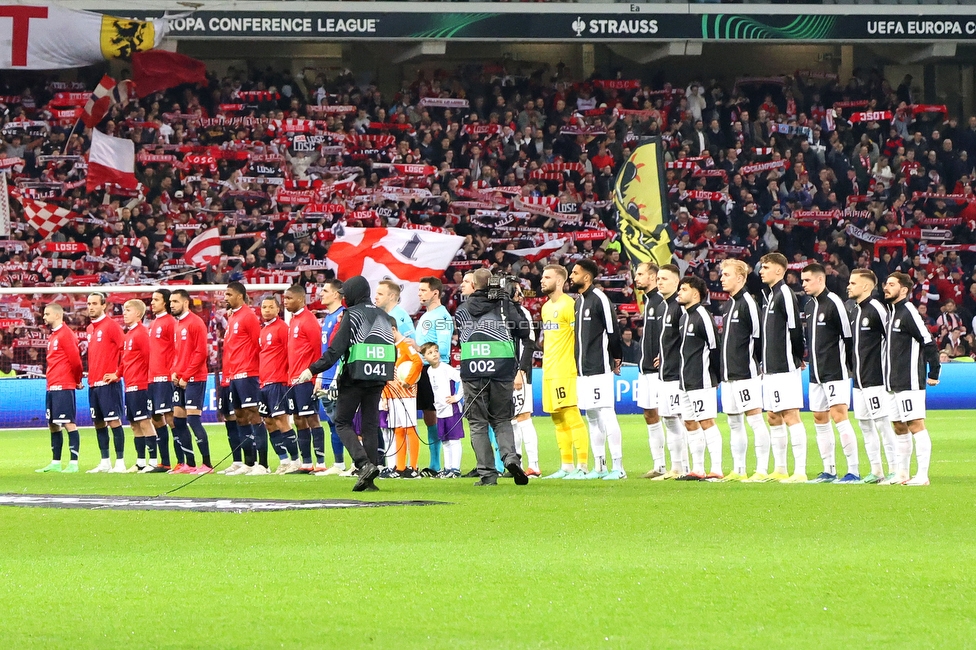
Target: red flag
x,y
46,218
158,70
107,93
204,249
111,161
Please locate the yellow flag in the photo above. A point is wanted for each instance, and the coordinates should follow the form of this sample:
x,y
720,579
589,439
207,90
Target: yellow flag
x,y
640,196
120,38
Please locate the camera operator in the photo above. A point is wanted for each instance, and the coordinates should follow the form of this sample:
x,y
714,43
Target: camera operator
x,y
488,324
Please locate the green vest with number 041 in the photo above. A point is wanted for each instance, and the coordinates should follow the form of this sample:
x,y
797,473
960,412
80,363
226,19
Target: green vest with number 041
x,y
372,360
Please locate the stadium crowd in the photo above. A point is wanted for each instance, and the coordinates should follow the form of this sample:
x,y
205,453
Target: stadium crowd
x,y
853,175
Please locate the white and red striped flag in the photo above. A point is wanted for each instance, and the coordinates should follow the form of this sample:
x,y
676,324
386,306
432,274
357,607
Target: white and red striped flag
x,y
204,249
111,161
537,253
46,218
404,256
107,93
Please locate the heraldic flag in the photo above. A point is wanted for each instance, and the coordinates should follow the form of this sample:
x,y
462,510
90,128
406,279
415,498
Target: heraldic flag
x,y
397,254
640,196
47,36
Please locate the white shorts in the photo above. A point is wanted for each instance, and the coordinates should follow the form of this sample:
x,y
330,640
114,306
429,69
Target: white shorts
x,y
648,387
907,405
698,405
833,393
401,412
782,391
872,403
595,391
741,396
669,399
522,399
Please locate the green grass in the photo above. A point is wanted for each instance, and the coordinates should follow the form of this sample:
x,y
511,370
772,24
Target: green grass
x,y
557,564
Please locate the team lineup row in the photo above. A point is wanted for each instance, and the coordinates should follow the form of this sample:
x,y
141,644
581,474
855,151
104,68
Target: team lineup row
x,y
757,357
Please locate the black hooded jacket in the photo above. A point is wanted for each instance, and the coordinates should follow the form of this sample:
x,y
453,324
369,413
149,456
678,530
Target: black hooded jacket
x,y
361,319
482,320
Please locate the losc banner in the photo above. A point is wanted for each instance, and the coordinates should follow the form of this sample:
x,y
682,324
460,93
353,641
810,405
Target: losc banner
x,y
953,392
562,22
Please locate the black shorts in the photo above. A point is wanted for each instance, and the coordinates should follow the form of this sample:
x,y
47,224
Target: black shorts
x,y
161,394
224,404
60,406
138,406
273,402
425,394
245,392
300,401
105,402
191,397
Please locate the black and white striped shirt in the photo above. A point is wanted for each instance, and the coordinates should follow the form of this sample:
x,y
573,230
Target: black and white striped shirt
x,y
699,349
741,337
910,348
597,334
869,325
669,320
828,338
651,339
782,333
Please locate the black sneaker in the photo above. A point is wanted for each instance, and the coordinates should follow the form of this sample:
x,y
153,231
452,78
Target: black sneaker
x,y
389,472
472,474
371,487
486,483
159,469
367,473
409,473
427,472
515,469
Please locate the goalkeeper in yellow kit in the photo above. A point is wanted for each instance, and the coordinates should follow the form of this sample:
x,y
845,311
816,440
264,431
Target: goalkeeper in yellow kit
x,y
559,374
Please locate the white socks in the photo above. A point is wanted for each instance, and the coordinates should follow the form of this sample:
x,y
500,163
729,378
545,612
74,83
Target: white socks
x,y
713,440
888,436
798,439
903,455
778,439
739,443
655,438
452,454
923,453
872,445
598,439
391,448
848,443
761,433
676,444
696,443
611,430
531,441
825,442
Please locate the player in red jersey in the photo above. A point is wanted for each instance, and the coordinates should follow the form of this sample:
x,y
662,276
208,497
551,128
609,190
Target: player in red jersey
x,y
135,374
162,351
105,340
274,385
63,378
189,382
241,364
304,348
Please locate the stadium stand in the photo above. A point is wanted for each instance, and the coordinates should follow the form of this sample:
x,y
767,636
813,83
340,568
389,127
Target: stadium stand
x,y
855,174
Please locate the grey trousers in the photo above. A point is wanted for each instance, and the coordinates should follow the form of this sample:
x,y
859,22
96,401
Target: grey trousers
x,y
488,402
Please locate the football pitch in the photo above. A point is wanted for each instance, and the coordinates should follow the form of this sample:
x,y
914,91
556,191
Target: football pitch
x,y
556,564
